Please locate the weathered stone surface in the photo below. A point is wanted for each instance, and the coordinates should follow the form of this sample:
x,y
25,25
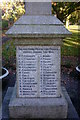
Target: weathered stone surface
x,y
38,41
72,113
38,20
37,107
38,8
33,26
30,30
38,73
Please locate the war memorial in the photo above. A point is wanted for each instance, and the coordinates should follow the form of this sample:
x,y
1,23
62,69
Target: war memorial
x,y
38,37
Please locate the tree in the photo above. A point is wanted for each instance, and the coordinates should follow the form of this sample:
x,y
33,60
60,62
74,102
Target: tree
x,y
12,10
63,10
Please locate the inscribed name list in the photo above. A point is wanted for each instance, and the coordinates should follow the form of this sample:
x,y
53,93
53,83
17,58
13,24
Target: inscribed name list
x,y
38,71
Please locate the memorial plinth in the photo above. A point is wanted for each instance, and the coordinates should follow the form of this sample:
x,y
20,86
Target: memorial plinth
x,y
38,40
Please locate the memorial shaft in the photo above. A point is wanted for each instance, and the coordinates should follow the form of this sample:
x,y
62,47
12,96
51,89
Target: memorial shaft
x,y
38,8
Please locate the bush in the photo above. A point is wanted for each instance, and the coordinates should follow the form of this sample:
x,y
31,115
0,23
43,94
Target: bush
x,y
9,54
12,10
4,24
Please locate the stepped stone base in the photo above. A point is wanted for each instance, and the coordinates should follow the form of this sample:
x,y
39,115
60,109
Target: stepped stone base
x,y
37,107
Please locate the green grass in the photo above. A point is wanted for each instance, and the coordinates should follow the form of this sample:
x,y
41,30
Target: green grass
x,y
71,45
74,28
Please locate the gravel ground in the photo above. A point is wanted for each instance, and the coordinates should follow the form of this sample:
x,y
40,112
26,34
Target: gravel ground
x,y
72,84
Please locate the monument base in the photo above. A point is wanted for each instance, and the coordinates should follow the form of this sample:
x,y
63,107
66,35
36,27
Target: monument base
x,y
37,107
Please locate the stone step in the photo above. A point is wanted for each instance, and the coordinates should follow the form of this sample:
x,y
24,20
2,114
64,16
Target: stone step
x,y
72,113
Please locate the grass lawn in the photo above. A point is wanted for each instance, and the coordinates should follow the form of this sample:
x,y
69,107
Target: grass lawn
x,y
71,45
74,28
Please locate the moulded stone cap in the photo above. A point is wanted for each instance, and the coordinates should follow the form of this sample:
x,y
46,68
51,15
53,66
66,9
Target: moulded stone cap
x,y
38,20
38,26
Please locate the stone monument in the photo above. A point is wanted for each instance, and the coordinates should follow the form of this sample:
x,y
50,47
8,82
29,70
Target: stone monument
x,y
38,37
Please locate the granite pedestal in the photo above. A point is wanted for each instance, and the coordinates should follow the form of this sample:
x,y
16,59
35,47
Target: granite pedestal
x,y
37,107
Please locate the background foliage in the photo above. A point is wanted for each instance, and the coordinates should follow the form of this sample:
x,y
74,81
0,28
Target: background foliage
x,y
67,10
11,11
